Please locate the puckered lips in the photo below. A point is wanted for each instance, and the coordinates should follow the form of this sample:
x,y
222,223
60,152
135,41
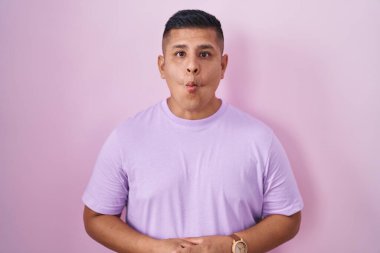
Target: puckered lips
x,y
192,86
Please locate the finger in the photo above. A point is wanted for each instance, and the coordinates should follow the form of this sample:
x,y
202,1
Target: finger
x,y
194,240
182,250
179,251
185,244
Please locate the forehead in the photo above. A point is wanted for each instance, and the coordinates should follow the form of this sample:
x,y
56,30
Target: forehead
x,y
191,37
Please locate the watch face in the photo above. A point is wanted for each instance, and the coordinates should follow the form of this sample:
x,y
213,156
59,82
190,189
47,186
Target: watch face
x,y
240,247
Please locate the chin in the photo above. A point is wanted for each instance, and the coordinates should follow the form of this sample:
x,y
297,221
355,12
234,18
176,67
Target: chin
x,y
192,107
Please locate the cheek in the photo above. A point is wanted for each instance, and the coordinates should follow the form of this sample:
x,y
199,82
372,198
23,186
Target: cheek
x,y
213,75
174,72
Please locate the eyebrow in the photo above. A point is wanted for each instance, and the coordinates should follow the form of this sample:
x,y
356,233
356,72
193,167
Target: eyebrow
x,y
202,46
206,46
181,46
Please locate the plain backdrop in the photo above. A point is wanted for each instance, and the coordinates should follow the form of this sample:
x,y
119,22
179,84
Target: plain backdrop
x,y
71,70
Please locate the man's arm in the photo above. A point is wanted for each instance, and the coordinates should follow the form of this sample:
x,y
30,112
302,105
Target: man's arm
x,y
271,232
115,234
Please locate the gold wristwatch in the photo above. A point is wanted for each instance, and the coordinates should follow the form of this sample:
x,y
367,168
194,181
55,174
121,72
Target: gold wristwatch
x,y
238,245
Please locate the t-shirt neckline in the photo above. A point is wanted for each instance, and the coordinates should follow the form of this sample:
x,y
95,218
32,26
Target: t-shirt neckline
x,y
195,122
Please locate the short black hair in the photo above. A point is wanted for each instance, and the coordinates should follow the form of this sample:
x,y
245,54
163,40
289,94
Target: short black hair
x,y
194,19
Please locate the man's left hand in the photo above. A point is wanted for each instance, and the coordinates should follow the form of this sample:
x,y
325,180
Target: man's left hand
x,y
209,244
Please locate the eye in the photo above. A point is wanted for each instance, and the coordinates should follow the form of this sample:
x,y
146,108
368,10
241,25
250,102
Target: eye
x,y
180,53
204,54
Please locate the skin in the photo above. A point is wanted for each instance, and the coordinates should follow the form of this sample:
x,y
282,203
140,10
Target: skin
x,y
190,57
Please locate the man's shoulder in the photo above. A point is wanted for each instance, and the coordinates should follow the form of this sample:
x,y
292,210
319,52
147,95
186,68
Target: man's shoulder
x,y
245,128
149,113
143,117
245,121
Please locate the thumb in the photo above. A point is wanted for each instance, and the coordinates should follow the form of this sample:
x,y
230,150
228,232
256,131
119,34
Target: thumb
x,y
185,243
194,240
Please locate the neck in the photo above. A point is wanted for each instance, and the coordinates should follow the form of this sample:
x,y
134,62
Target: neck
x,y
194,114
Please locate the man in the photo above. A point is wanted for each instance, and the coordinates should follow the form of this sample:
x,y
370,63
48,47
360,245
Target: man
x,y
195,174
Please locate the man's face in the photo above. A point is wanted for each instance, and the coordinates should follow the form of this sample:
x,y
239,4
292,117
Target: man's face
x,y
193,66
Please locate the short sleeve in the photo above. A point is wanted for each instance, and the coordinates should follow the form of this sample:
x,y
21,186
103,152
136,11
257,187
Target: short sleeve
x,y
107,190
281,194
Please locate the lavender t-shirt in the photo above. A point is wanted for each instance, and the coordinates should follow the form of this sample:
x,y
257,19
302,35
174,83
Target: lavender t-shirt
x,y
181,178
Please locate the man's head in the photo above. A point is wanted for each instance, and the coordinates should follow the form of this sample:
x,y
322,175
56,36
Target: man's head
x,y
193,63
193,19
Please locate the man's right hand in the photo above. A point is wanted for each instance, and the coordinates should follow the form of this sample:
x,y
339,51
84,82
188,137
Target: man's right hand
x,y
171,245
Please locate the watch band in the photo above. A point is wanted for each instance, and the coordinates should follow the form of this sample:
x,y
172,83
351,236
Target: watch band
x,y
237,240
235,237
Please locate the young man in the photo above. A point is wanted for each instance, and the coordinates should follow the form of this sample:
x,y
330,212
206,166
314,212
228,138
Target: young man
x,y
195,174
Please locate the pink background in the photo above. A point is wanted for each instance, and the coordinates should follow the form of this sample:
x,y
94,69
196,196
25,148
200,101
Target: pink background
x,y
71,70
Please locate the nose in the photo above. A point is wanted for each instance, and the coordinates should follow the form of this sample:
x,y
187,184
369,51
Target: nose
x,y
192,70
192,66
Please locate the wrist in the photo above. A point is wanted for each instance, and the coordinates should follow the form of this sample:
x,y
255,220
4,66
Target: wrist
x,y
148,244
155,246
227,242
238,244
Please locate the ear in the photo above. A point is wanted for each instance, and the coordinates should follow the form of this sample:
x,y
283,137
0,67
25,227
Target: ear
x,y
161,65
224,63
